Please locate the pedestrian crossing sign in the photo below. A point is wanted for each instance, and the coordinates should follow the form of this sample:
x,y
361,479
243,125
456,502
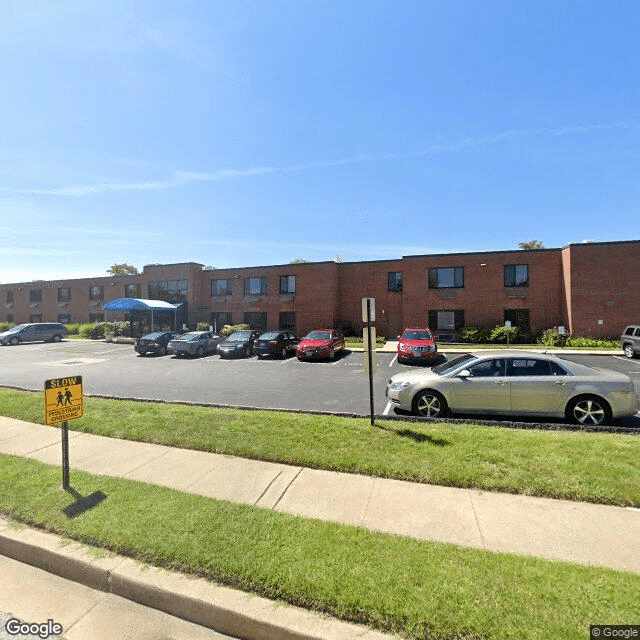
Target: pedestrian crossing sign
x,y
63,399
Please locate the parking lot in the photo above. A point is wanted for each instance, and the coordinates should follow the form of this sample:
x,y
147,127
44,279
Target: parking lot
x,y
116,370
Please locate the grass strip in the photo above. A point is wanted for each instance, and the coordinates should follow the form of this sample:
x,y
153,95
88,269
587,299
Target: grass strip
x,y
574,465
422,589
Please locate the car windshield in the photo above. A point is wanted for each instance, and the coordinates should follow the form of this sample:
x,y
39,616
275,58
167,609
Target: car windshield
x,y
152,336
445,367
417,335
318,335
271,335
16,328
190,336
238,336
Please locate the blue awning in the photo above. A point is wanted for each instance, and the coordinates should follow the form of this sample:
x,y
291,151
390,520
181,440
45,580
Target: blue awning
x,y
126,305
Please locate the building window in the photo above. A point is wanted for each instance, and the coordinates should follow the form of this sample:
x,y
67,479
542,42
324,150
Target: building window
x,y
287,284
255,286
169,290
518,318
64,318
9,317
452,320
256,320
35,296
64,294
288,321
221,288
96,294
9,297
96,317
132,291
219,319
446,278
516,275
35,317
394,280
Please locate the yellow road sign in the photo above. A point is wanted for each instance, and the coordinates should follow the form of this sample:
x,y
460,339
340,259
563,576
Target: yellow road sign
x,y
63,399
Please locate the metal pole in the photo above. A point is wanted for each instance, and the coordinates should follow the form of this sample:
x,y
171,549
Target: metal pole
x,y
370,356
65,455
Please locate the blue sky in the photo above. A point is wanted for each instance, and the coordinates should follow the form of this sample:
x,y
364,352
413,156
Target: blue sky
x,y
249,133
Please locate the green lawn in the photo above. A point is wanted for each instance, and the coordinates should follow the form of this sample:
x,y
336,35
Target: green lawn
x,y
421,589
576,465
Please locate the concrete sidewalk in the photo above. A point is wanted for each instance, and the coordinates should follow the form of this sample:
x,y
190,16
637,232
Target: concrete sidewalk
x,y
578,532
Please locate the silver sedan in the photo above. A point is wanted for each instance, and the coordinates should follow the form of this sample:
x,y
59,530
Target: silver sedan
x,y
516,382
195,343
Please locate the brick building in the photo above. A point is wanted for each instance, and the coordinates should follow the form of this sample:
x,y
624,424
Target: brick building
x,y
590,288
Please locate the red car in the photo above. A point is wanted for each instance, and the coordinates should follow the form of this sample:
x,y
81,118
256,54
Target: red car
x,y
417,344
321,343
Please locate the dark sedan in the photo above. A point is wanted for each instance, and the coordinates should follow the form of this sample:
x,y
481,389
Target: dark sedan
x,y
154,343
238,344
195,343
276,343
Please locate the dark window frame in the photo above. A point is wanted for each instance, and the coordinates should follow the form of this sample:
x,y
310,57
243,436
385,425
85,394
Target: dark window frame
x,y
394,280
66,297
9,297
35,295
436,274
263,286
285,289
250,316
137,288
93,293
511,275
284,321
216,290
458,319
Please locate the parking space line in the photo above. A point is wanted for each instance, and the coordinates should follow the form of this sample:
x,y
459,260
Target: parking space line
x,y
387,409
393,360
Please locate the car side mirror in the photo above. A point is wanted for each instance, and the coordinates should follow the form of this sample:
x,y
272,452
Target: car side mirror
x,y
465,373
398,337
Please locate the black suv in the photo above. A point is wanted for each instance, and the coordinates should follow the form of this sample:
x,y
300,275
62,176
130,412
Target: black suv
x,y
630,339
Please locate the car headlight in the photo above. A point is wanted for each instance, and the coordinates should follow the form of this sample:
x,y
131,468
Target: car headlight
x,y
399,385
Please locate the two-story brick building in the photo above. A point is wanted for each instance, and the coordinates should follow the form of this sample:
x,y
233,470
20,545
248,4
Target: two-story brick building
x,y
590,288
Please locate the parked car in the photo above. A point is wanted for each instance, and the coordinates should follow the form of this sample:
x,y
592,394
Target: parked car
x,y
154,343
276,343
417,344
238,344
630,340
34,332
321,343
194,343
516,382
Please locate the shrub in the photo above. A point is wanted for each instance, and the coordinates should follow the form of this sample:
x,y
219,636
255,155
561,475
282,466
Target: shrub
x,y
228,329
73,328
85,329
499,333
475,334
203,326
4,326
552,338
578,341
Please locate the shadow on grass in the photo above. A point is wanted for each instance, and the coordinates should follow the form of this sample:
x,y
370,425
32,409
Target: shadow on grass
x,y
82,503
416,436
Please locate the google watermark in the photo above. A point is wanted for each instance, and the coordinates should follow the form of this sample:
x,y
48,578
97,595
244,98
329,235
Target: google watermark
x,y
598,631
43,630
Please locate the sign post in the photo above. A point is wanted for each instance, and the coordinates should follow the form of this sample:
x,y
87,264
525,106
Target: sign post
x,y
369,316
63,402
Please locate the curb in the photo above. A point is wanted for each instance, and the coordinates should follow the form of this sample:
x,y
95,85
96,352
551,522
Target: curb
x,y
191,598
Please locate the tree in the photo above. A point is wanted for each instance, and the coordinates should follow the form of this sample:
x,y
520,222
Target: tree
x,y
123,269
531,245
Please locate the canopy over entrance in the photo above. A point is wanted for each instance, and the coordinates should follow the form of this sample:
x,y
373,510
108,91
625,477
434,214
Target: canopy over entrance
x,y
129,305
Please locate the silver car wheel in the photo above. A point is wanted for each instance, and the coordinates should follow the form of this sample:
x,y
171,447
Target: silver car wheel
x,y
590,411
429,404
628,351
14,341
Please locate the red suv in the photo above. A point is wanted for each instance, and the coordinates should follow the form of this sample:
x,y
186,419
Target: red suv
x,y
417,344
